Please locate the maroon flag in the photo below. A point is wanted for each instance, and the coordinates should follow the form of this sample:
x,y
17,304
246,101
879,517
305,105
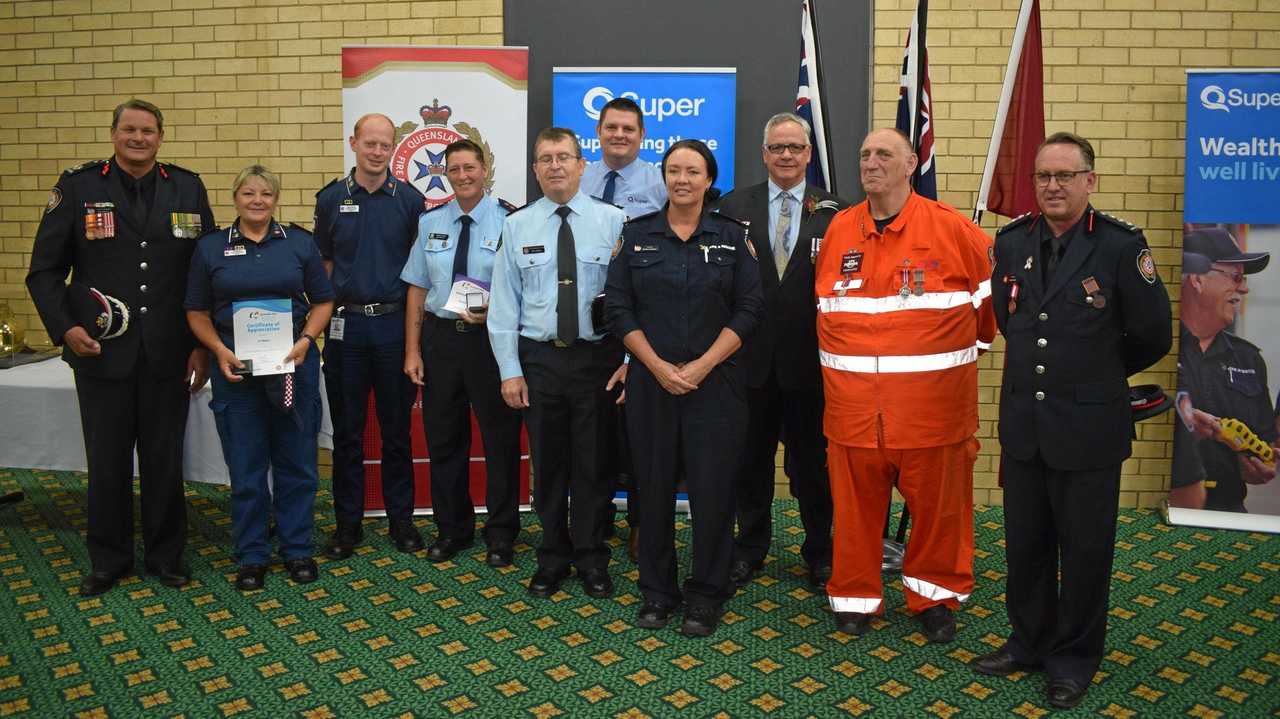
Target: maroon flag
x,y
1010,191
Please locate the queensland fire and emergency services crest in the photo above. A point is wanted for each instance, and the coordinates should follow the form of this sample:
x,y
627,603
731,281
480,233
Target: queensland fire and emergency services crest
x,y
419,154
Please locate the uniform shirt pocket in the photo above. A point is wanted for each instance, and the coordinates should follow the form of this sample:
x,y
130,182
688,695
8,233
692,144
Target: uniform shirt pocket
x,y
439,262
593,266
537,273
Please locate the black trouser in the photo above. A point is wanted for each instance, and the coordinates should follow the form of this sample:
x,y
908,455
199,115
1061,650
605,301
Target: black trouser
x,y
571,429
116,414
703,431
461,375
352,366
795,417
1047,512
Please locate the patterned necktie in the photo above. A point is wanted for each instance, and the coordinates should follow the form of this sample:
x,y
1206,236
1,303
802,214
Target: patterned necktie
x,y
567,280
610,185
782,234
464,245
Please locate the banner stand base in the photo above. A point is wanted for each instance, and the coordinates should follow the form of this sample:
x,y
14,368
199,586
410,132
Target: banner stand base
x,y
1207,518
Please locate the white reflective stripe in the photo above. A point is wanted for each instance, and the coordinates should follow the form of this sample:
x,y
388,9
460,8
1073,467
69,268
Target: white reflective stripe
x,y
984,291
899,363
896,303
928,590
983,345
861,605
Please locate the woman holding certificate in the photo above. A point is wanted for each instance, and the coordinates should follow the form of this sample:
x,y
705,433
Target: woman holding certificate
x,y
257,296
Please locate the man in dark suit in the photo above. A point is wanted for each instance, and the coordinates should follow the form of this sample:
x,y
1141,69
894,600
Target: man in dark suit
x,y
126,227
787,218
1081,307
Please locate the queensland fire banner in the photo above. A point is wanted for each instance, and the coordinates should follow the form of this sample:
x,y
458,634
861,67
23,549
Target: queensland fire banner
x,y
678,104
435,96
1225,432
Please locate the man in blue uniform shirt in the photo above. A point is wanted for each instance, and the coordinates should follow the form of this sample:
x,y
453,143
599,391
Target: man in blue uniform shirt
x,y
554,363
449,355
365,224
620,177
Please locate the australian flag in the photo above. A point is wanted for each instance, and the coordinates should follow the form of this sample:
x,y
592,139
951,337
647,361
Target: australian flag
x,y
915,110
809,102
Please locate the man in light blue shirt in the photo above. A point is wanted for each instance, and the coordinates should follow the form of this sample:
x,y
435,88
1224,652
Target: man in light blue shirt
x,y
555,363
460,240
620,177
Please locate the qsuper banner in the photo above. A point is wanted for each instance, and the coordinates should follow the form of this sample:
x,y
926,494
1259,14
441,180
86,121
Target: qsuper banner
x,y
1225,434
435,96
678,104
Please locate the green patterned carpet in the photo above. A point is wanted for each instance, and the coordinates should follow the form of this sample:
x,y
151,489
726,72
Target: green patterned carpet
x,y
1193,633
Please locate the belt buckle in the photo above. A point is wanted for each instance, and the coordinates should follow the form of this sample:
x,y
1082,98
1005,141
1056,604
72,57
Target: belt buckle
x,y
460,326
370,310
560,343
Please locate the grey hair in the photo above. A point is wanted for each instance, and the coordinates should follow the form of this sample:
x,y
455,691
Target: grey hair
x,y
786,117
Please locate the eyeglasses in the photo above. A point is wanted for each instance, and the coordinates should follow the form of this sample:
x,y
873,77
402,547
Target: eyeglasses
x,y
563,158
1064,178
1237,278
781,147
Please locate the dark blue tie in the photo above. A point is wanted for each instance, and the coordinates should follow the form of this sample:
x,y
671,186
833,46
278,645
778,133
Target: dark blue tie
x,y
464,245
610,184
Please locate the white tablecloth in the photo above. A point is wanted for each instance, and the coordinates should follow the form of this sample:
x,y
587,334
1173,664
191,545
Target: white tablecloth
x,y
40,425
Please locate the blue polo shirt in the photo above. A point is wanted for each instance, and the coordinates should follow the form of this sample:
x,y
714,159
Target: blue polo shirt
x,y
639,189
226,267
367,236
430,264
522,302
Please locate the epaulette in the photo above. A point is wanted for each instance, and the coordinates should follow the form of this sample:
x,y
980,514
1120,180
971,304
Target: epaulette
x,y
170,166
333,182
1119,222
645,216
75,169
1018,221
597,199
509,207
1237,338
525,205
736,221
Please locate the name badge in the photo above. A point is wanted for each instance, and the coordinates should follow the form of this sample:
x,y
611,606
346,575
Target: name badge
x,y
851,262
234,251
348,208
336,326
533,250
437,236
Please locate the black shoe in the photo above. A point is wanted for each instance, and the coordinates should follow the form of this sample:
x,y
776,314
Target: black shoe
x,y
343,541
700,620
251,577
174,575
500,554
855,624
302,571
596,583
997,664
98,582
819,575
654,615
406,537
546,582
939,624
742,572
444,548
1066,693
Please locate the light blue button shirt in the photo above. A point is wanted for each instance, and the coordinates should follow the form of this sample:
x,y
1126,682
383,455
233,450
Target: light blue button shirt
x,y
523,299
775,209
430,264
638,190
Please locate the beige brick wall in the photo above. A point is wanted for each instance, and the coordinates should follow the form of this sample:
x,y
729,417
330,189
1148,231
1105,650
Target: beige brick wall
x,y
246,81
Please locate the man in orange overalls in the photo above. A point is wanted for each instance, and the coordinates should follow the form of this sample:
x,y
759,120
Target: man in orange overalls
x,y
904,309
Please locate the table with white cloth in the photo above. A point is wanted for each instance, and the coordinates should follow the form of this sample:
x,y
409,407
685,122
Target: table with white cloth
x,y
41,425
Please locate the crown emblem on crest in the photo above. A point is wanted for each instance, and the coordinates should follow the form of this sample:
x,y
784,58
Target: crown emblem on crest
x,y
435,114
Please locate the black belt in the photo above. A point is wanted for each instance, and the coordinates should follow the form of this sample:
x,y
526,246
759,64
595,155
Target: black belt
x,y
459,326
374,309
565,345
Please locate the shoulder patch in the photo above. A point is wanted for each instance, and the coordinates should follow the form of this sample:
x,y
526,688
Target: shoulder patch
x,y
332,182
55,199
645,216
617,248
74,169
751,248
734,220
1018,221
171,166
509,207
1119,222
1147,266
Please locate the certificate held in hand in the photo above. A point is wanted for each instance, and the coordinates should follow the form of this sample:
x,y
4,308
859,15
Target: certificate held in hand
x,y
263,333
467,294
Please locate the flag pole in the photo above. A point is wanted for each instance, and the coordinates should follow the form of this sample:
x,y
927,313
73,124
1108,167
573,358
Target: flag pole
x,y
917,127
1002,111
820,112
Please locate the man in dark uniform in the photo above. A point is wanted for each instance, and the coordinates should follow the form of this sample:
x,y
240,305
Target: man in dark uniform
x,y
127,226
1078,299
365,224
784,378
1220,376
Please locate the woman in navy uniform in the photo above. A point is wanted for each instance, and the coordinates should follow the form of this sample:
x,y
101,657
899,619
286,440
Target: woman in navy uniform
x,y
264,421
683,293
449,353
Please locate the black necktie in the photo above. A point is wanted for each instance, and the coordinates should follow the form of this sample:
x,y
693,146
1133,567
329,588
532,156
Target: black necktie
x,y
139,205
567,276
1050,253
610,185
464,244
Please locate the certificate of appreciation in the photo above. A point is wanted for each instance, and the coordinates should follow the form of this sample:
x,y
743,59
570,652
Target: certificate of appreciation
x,y
467,294
263,333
